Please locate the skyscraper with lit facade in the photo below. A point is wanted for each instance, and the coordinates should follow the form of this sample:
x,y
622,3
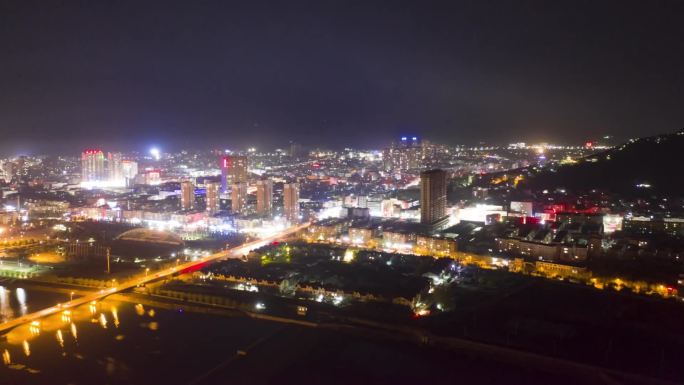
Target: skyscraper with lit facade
x,y
264,195
402,156
187,195
238,197
129,169
115,168
212,198
433,200
233,170
92,166
291,202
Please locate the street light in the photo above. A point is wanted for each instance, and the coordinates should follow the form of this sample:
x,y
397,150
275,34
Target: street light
x,y
71,296
147,270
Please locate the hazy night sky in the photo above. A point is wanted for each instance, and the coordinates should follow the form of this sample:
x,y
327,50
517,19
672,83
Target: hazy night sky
x,y
118,74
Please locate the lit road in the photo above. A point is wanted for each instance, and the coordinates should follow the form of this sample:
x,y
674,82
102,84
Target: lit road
x,y
236,252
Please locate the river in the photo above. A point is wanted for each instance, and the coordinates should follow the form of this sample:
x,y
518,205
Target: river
x,y
112,342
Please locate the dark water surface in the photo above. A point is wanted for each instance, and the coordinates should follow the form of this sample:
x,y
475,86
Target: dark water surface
x,y
147,346
125,343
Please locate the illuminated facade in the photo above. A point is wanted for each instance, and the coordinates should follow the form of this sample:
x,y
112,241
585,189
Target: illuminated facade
x,y
433,198
233,170
327,230
547,249
362,236
264,195
554,270
648,225
9,169
92,166
442,247
238,197
152,176
612,223
401,158
129,170
187,195
291,202
115,167
397,240
213,202
110,171
405,155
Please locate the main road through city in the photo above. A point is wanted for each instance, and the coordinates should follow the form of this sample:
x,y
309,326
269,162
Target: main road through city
x,y
236,252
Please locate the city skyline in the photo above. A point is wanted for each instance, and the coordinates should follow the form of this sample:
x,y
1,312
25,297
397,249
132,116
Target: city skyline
x,y
341,192
145,148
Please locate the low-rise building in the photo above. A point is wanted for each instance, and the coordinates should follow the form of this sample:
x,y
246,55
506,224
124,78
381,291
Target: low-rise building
x,y
558,270
327,230
648,225
435,246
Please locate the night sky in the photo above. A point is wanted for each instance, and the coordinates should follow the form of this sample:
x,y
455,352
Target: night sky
x,y
130,74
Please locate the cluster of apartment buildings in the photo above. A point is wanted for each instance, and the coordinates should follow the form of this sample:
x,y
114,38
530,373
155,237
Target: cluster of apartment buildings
x,y
381,234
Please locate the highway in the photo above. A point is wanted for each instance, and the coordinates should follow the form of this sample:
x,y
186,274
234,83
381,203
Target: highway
x,y
236,252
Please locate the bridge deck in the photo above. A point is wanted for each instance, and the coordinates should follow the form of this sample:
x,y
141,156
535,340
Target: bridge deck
x,y
235,252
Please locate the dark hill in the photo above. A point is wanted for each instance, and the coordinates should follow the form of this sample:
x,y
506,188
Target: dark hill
x,y
647,165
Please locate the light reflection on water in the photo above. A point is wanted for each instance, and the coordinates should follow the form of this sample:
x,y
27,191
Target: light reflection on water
x,y
21,338
60,338
115,315
74,332
103,321
21,298
135,348
8,309
140,309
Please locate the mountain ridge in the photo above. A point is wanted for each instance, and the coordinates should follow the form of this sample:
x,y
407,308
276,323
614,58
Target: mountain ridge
x,y
652,164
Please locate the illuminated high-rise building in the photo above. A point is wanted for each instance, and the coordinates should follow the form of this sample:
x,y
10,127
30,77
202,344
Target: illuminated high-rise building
x,y
115,168
92,166
296,150
152,176
187,195
264,195
9,169
213,202
233,170
403,156
433,191
410,141
129,169
22,165
291,202
238,197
